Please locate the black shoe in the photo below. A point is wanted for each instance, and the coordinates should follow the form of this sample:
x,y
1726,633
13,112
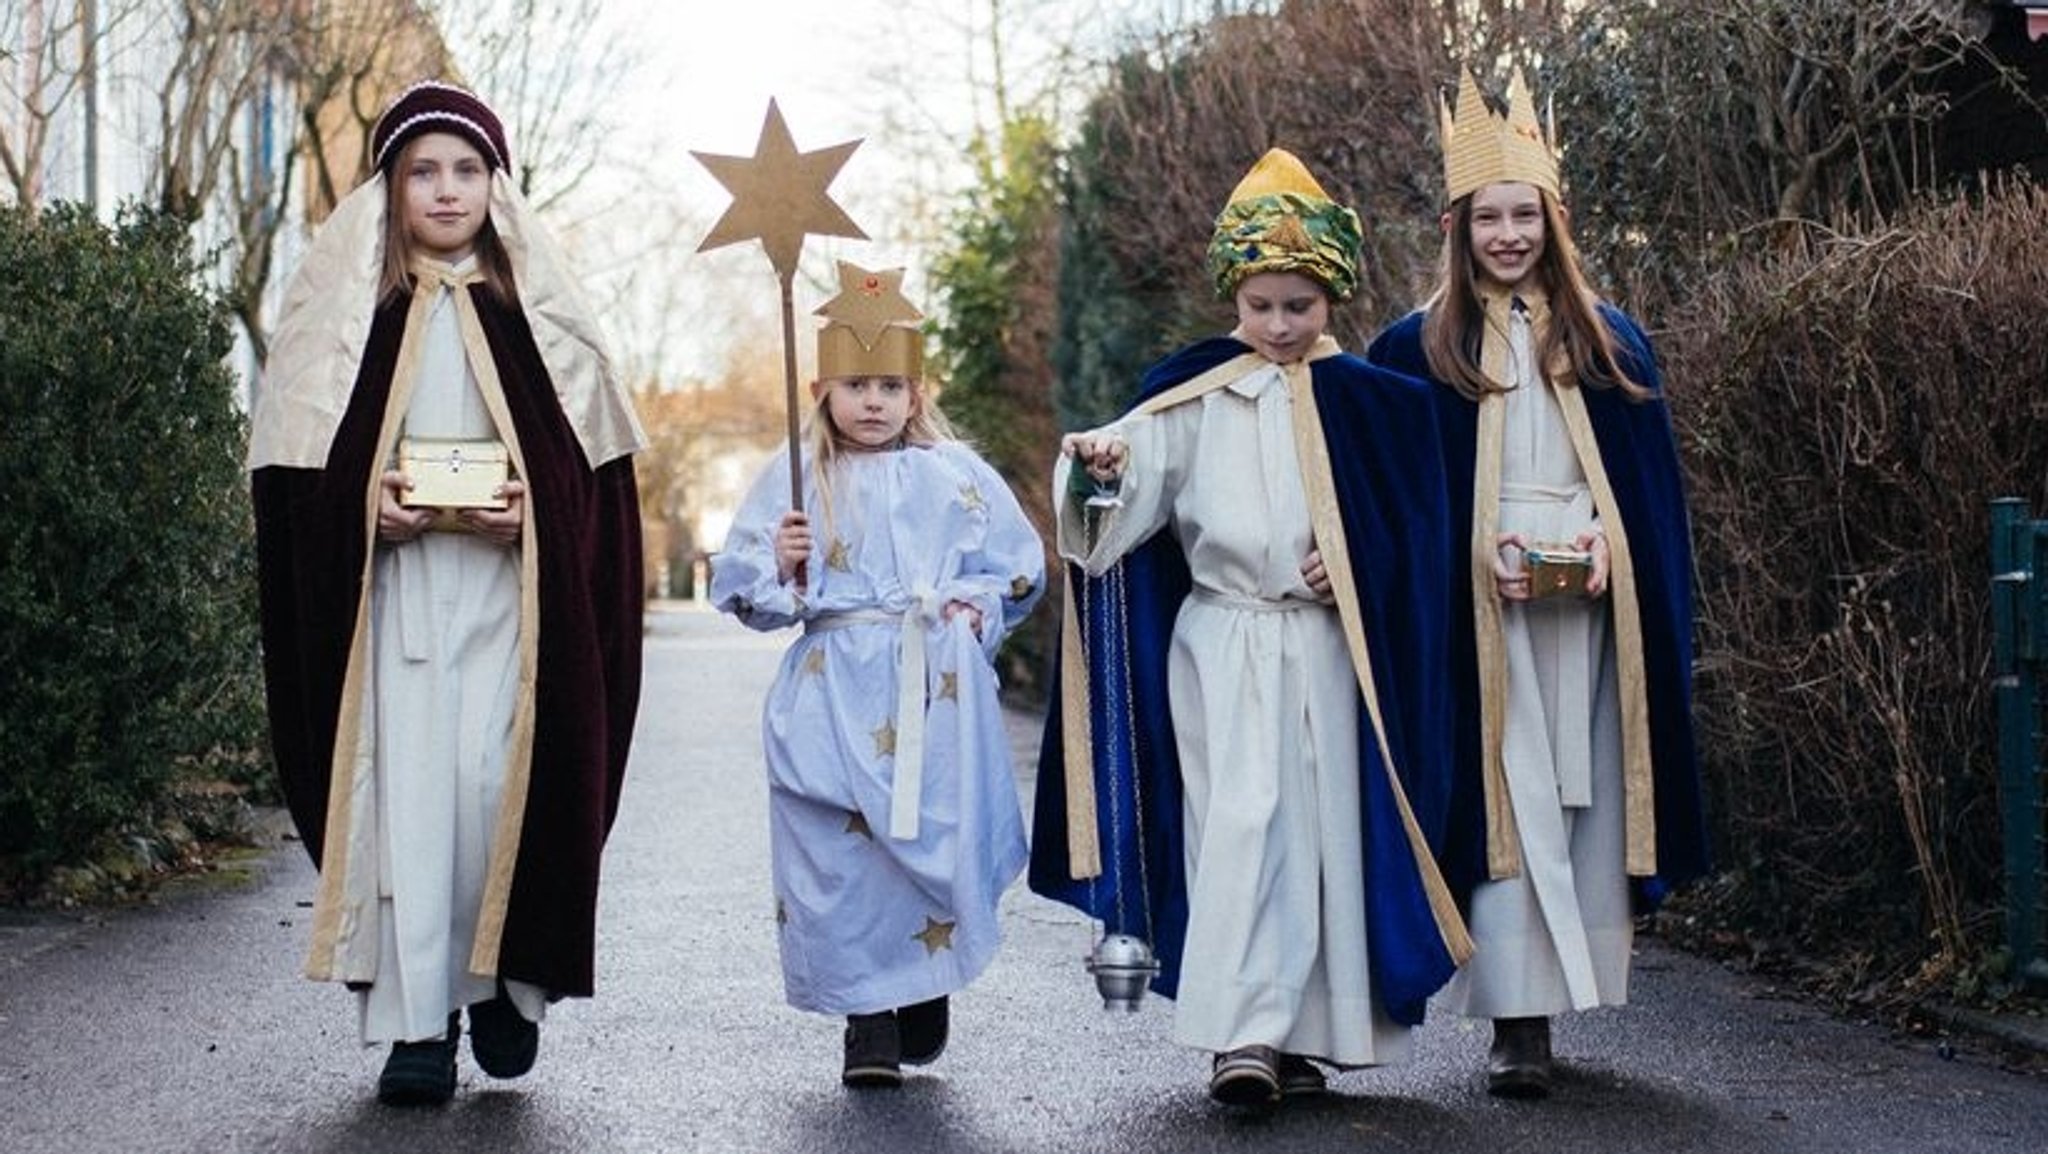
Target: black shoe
x,y
421,1073
1246,1076
922,1028
1518,1064
874,1051
501,1040
1300,1077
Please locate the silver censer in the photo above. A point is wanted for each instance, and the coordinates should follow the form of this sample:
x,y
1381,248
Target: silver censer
x,y
1123,966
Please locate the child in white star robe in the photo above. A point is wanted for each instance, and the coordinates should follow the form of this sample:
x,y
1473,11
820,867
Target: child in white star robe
x,y
916,539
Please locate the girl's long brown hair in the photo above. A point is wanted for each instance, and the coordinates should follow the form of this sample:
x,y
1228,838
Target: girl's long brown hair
x,y
491,257
1455,320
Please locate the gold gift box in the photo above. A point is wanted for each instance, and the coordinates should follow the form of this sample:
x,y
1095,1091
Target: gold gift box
x,y
454,474
1557,570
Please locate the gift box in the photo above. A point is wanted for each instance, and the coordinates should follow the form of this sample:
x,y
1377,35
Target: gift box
x,y
454,474
1557,570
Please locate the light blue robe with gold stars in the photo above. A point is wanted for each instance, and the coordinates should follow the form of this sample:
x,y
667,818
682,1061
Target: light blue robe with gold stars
x,y
870,921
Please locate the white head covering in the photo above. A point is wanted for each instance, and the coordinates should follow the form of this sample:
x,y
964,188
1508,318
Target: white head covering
x,y
325,326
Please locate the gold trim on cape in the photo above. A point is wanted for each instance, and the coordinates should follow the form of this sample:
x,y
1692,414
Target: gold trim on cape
x,y
344,946
1326,520
1503,841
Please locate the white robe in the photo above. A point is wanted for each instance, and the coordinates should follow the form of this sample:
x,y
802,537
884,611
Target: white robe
x,y
870,920
444,650
1556,936
1265,709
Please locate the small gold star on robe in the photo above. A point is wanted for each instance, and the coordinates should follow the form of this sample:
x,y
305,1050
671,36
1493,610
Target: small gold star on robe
x,y
814,661
885,740
949,687
839,556
1020,588
971,497
857,824
936,935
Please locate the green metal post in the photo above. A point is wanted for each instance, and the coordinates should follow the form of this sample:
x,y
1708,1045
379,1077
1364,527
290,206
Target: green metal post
x,y
2015,595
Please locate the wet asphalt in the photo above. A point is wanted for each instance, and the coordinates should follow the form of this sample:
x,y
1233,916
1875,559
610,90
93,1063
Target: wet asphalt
x,y
184,1026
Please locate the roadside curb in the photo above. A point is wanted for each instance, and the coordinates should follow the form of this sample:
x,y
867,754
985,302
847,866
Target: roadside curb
x,y
2026,1032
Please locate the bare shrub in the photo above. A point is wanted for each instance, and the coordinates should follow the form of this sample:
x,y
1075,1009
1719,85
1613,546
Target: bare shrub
x,y
1342,85
1849,404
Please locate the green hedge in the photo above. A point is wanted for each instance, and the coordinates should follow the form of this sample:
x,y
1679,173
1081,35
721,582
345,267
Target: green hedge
x,y
128,649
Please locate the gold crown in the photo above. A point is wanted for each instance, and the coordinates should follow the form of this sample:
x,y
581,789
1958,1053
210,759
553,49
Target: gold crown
x,y
1482,147
870,327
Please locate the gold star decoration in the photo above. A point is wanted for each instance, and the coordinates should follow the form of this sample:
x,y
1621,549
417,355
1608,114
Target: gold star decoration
x,y
949,687
868,302
1290,235
857,824
1020,588
814,662
779,195
936,935
885,740
839,556
970,496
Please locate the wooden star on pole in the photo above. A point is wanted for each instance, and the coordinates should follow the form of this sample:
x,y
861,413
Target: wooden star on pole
x,y
779,195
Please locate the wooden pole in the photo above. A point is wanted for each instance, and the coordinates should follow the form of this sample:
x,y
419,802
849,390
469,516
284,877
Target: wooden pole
x,y
789,392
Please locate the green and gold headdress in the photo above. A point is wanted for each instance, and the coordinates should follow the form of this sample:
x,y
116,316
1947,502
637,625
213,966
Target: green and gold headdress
x,y
1280,220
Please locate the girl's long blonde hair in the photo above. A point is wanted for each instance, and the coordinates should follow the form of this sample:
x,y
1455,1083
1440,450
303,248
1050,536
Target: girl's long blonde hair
x,y
1454,320
824,445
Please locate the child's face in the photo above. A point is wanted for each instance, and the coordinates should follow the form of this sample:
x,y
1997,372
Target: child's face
x,y
447,191
1507,233
1282,313
869,412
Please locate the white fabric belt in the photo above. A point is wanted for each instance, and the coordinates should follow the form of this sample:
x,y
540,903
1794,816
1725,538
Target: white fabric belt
x,y
1246,603
906,786
1541,494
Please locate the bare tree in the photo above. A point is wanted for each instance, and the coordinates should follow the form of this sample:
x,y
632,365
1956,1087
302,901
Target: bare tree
x,y
545,66
49,54
1703,125
263,87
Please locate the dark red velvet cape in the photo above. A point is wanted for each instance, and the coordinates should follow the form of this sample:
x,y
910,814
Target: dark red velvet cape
x,y
311,554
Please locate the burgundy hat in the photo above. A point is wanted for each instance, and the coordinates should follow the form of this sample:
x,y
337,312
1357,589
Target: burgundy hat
x,y
434,106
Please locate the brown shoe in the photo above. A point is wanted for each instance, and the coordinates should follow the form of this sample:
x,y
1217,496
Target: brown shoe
x,y
1518,1065
1246,1076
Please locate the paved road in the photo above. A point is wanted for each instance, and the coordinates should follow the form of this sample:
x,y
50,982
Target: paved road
x,y
184,1026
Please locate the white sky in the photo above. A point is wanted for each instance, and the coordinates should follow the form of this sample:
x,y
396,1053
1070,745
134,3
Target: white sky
x,y
900,75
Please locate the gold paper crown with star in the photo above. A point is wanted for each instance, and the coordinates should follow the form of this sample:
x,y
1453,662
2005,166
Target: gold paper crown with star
x,y
1482,147
870,327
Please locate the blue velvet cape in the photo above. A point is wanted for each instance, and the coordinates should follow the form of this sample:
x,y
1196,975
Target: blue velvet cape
x,y
1380,429
1640,454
